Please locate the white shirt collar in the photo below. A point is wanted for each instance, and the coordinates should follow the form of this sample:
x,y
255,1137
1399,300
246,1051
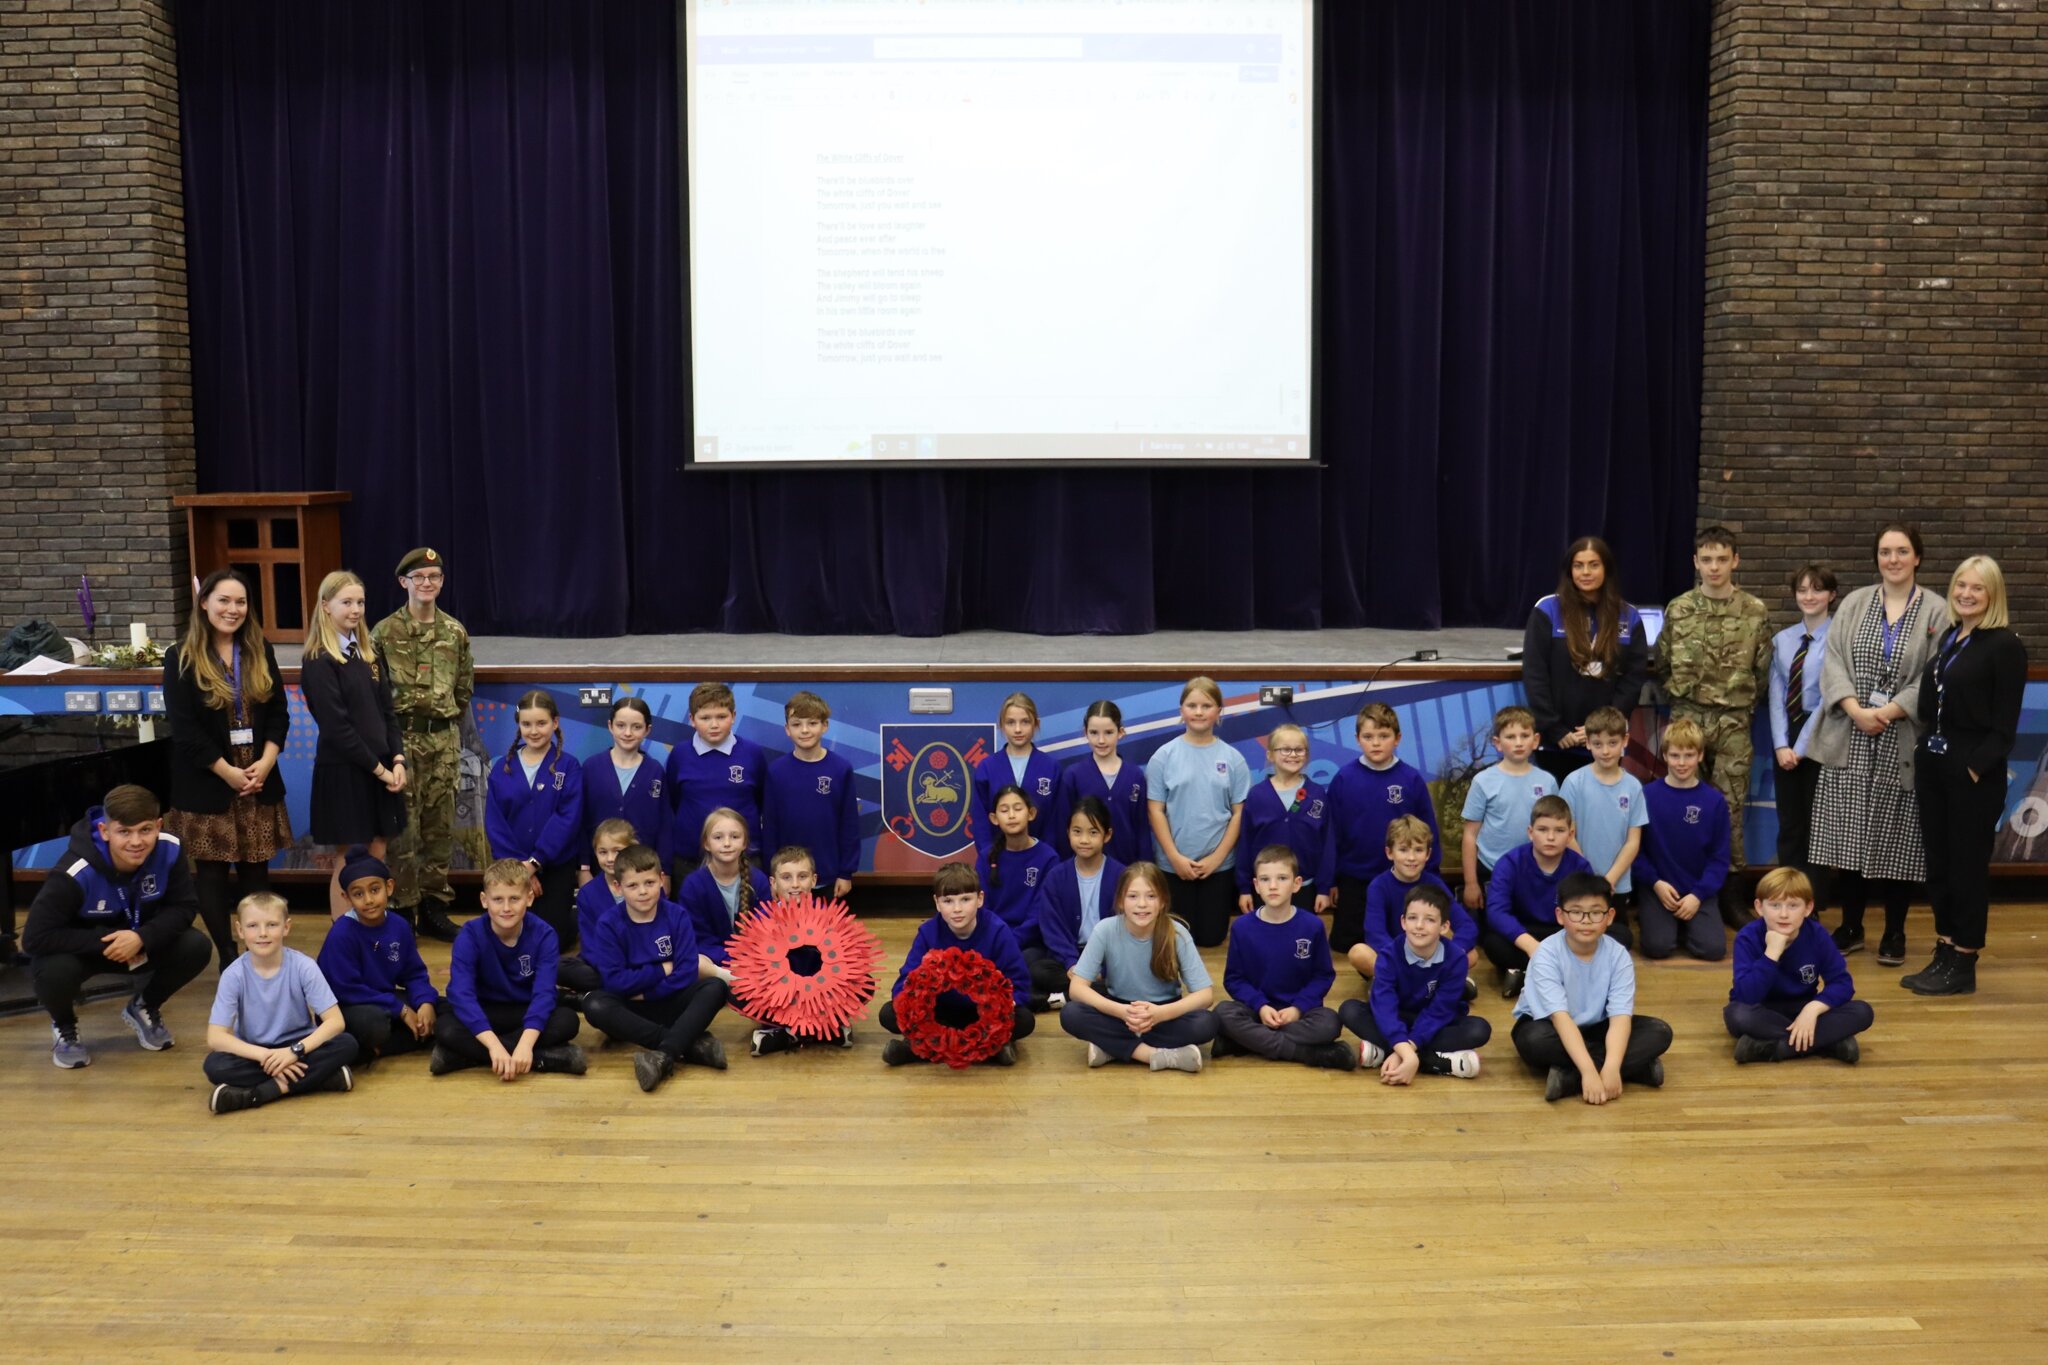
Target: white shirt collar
x,y
1432,960
724,747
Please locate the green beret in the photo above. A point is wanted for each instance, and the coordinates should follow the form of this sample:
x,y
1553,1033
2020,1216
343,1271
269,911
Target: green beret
x,y
422,557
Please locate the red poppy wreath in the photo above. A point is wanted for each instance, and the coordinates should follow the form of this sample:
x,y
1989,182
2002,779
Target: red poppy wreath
x,y
957,1007
804,963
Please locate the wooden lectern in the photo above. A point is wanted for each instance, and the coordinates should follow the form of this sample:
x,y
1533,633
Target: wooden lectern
x,y
283,543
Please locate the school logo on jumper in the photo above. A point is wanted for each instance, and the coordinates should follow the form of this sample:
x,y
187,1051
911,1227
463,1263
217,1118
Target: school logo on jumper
x,y
1692,815
148,885
665,946
1315,809
1808,973
391,953
737,774
825,784
526,964
928,783
1045,786
559,776
654,789
100,909
1394,794
1030,876
1301,947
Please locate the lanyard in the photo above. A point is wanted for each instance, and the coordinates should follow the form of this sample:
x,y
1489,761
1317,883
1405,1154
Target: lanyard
x,y
1952,647
235,682
1893,637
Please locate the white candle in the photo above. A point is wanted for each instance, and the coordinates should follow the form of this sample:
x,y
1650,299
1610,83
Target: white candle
x,y
138,634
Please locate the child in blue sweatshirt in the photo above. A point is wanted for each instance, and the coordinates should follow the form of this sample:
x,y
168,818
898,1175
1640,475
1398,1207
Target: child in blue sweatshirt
x,y
1521,896
1117,782
625,784
1414,1021
1409,842
725,887
1019,867
1684,861
958,922
1077,893
1364,799
1019,763
372,962
594,900
658,991
501,988
808,799
714,769
792,875
1792,995
1277,971
533,811
1287,809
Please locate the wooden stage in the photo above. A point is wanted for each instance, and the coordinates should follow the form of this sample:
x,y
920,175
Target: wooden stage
x,y
820,1207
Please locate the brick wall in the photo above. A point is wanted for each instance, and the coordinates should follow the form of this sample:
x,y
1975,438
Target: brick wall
x,y
1877,308
96,426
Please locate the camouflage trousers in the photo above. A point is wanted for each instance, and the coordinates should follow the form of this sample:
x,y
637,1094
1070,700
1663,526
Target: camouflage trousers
x,y
419,856
1726,764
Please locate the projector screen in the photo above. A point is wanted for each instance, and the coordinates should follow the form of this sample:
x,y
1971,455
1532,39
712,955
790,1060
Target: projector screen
x,y
999,231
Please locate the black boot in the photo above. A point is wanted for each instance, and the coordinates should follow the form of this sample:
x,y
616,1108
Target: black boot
x,y
434,921
1942,952
1959,977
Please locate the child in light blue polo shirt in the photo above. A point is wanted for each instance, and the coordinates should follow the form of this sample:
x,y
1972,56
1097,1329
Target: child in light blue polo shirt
x,y
1576,1019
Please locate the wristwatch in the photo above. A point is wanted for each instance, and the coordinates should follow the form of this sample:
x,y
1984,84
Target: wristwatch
x,y
299,1050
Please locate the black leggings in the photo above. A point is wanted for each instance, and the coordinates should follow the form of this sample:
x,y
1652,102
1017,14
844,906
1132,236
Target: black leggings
x,y
667,1025
217,907
1207,905
557,903
508,1020
1852,890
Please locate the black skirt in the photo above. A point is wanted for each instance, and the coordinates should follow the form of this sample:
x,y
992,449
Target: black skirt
x,y
352,807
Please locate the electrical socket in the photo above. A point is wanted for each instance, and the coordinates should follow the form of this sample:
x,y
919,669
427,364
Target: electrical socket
x,y
81,701
1276,696
594,696
125,703
155,701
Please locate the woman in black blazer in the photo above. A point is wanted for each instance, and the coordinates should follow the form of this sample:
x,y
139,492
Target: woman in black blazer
x,y
358,770
225,700
1969,716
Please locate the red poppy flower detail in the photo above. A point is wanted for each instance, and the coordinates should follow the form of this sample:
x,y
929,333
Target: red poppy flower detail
x,y
804,963
957,1007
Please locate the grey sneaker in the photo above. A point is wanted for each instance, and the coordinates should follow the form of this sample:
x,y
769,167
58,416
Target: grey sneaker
x,y
704,1050
1187,1057
148,1025
1097,1057
65,1049
1371,1054
1562,1081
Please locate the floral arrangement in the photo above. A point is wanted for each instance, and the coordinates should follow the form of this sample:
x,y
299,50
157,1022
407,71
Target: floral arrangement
x,y
947,984
804,963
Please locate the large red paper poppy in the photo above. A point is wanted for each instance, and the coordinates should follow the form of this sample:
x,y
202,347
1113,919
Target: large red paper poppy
x,y
804,963
971,976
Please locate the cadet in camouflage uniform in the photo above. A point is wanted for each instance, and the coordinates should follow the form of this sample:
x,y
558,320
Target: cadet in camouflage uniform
x,y
427,651
1714,657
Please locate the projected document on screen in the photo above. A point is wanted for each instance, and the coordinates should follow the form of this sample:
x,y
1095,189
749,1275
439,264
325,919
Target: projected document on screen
x,y
1003,231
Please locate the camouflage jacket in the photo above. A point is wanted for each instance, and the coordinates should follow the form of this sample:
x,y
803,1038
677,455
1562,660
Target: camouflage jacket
x,y
431,672
1715,653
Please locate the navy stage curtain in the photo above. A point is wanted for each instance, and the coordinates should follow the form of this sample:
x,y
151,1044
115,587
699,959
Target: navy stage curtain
x,y
434,254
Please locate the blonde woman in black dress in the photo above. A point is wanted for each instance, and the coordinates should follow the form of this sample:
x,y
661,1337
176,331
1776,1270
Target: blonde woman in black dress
x,y
358,765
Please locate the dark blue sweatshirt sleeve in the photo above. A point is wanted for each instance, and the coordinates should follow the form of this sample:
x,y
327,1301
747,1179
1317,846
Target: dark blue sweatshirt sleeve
x,y
1500,900
1715,873
1837,988
1384,999
1237,974
560,837
849,825
1058,917
1007,956
419,983
547,960
1755,973
497,819
462,968
919,946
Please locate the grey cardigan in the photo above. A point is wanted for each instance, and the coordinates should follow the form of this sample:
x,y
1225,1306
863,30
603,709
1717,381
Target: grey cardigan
x,y
1830,744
